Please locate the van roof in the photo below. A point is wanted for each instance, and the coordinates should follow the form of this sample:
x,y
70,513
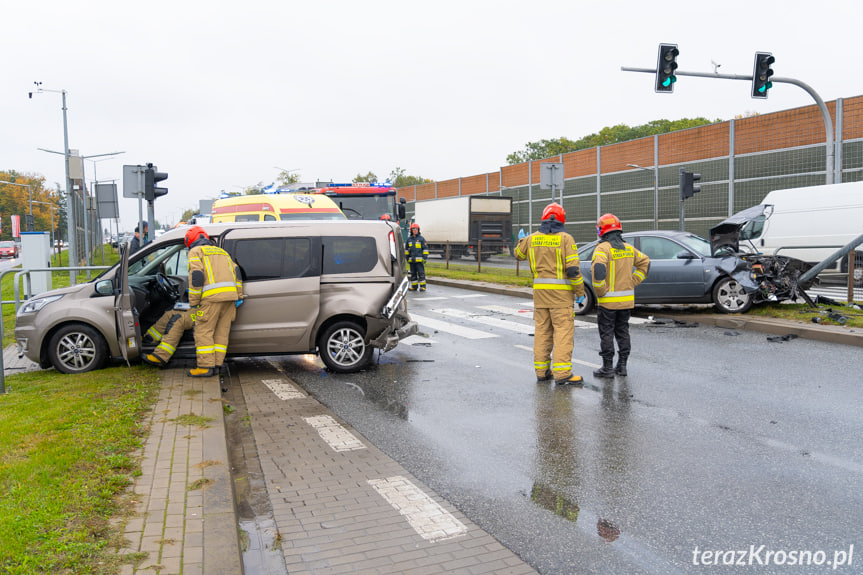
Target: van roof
x,y
849,192
310,227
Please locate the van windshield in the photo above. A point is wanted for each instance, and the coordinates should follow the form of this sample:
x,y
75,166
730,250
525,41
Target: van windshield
x,y
753,228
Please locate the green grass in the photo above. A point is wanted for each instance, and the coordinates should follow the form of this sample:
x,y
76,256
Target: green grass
x,y
489,274
67,446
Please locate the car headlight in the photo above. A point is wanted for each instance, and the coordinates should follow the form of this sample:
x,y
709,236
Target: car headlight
x,y
34,305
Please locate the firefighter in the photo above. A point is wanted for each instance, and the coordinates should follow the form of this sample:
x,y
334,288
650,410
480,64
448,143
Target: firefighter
x,y
417,252
556,281
215,293
616,268
168,331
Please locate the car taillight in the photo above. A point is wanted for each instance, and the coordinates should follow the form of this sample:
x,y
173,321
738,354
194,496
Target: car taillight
x,y
393,253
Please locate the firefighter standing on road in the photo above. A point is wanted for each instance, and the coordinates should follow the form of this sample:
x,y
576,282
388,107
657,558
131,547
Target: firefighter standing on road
x,y
554,264
616,268
217,292
417,252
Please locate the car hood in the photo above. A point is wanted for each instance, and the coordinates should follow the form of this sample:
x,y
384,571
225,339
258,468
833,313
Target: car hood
x,y
727,232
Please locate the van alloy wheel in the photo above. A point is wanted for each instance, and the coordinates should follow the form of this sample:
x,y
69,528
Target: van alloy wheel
x,y
343,348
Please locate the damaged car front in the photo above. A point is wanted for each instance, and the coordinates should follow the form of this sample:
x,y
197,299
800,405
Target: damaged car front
x,y
763,277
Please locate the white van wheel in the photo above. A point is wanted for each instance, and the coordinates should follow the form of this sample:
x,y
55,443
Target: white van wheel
x,y
343,347
77,348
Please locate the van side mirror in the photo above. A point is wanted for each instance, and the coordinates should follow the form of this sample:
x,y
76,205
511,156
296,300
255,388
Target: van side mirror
x,y
401,209
105,287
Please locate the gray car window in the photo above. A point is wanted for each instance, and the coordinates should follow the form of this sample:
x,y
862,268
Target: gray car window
x,y
271,258
659,248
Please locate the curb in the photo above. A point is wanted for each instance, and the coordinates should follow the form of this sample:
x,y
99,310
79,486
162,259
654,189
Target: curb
x,y
818,332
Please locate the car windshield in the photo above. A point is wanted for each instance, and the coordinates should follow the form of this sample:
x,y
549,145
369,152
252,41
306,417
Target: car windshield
x,y
696,243
7,244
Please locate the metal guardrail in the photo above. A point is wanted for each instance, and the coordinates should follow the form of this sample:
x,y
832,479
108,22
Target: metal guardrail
x,y
17,301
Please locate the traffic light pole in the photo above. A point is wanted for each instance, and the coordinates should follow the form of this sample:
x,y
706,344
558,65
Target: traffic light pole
x,y
825,113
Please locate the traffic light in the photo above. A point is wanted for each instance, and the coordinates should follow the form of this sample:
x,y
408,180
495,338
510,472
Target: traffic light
x,y
151,178
29,223
666,64
761,74
688,187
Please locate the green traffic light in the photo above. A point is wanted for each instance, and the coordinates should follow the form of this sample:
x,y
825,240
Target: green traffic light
x,y
669,81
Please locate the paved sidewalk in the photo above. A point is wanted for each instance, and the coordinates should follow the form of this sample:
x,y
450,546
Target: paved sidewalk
x,y
343,506
185,520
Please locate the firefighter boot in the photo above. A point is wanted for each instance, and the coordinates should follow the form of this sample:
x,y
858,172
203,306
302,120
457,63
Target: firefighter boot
x,y
607,369
621,365
203,372
574,380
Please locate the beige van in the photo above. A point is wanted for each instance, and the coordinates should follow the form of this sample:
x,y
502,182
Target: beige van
x,y
336,288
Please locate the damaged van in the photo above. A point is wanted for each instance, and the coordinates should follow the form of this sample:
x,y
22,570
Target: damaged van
x,y
335,288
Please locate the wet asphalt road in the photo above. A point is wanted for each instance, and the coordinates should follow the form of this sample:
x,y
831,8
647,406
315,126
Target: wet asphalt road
x,y
717,440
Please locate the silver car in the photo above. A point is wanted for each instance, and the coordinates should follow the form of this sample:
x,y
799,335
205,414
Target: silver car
x,y
336,288
683,270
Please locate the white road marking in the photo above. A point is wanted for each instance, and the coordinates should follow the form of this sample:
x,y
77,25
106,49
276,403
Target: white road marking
x,y
283,389
452,328
429,298
470,295
431,521
336,436
416,339
486,320
525,313
578,361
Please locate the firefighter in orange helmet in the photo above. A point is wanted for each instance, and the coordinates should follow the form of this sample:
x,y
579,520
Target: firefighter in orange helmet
x,y
216,290
417,252
556,282
616,268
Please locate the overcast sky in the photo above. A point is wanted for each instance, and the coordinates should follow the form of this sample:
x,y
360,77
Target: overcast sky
x,y
220,95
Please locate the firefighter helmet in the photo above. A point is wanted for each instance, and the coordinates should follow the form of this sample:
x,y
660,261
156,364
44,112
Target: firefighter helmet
x,y
556,210
607,223
415,226
194,233
386,217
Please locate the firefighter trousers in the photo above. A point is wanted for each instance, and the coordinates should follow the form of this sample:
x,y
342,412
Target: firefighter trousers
x,y
172,324
418,275
613,325
212,328
553,330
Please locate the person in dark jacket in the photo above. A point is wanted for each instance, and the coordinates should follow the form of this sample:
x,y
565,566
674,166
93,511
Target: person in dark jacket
x,y
139,240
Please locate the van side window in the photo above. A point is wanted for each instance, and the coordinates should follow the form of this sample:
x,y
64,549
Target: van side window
x,y
348,255
246,218
271,258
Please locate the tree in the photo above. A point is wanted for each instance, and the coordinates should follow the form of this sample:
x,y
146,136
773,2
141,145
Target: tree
x,y
399,179
284,178
16,199
609,135
369,178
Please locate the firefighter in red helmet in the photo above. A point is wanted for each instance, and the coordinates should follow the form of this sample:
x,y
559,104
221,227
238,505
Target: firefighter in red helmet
x,y
557,281
417,252
616,268
215,293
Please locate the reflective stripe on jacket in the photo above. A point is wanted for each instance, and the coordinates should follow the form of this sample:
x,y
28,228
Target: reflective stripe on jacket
x,y
551,257
221,282
615,274
416,249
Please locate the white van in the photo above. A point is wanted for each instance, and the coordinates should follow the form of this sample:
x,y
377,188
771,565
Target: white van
x,y
809,224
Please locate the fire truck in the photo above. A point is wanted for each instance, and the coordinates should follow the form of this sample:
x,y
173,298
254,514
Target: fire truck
x,y
367,201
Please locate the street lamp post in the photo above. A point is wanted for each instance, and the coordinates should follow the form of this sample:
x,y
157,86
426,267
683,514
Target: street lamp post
x,y
70,198
655,170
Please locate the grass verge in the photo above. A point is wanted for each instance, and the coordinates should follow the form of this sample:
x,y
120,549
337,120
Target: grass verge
x,y
67,446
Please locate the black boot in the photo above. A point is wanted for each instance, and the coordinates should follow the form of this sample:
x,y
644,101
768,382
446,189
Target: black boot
x,y
621,366
607,369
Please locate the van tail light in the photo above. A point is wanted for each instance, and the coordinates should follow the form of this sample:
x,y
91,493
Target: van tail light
x,y
393,253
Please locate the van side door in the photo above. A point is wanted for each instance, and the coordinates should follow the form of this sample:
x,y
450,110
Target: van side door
x,y
281,292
